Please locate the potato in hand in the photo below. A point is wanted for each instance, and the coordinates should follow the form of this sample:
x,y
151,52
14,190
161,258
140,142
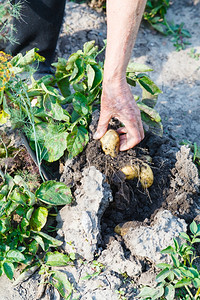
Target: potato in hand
x,y
110,143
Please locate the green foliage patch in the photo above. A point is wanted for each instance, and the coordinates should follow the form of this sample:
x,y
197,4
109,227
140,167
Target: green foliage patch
x,y
182,274
55,111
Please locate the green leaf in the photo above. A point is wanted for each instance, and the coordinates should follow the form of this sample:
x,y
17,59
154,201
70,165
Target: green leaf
x,y
185,236
193,227
39,218
196,283
168,250
171,276
8,268
162,275
52,139
18,196
159,27
4,224
54,193
15,256
97,78
90,75
53,242
27,59
135,67
176,244
78,72
159,291
152,113
183,282
11,207
33,247
196,240
29,213
77,140
150,102
71,60
54,110
154,127
80,104
177,272
169,292
175,261
88,46
186,272
194,272
163,266
56,259
147,292
39,240
131,81
148,84
60,281
64,86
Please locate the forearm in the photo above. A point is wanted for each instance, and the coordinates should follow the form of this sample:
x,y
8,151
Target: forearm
x,y
123,21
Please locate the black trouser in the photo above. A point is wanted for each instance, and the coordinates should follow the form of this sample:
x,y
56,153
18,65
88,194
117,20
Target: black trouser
x,y
38,27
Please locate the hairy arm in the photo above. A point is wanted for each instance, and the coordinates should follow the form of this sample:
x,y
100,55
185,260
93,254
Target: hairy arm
x,y
123,21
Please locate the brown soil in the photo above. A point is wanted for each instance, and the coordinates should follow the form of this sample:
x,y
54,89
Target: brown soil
x,y
175,184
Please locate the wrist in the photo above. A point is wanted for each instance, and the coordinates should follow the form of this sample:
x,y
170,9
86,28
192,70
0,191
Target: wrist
x,y
114,78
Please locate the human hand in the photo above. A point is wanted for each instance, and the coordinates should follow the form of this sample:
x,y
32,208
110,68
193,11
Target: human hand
x,y
117,101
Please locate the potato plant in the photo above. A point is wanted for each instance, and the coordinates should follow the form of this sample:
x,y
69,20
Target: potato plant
x,y
55,111
23,217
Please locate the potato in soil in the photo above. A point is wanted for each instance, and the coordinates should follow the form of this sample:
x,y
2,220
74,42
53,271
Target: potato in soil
x,y
110,143
146,176
131,171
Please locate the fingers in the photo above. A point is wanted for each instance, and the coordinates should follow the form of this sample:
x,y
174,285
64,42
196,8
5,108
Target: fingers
x,y
104,120
133,134
122,130
127,142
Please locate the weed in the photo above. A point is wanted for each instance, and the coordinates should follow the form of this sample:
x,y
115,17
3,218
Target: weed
x,y
121,294
7,11
195,150
179,35
32,179
193,54
181,277
97,269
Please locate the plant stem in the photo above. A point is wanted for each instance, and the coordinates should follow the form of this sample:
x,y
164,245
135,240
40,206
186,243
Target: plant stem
x,y
167,25
189,292
197,294
30,116
2,175
6,165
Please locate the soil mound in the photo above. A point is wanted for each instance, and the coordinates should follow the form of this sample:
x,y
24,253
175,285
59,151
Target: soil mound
x,y
175,186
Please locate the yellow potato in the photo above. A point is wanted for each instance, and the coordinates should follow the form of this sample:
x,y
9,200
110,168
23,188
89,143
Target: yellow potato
x,y
110,143
131,171
146,176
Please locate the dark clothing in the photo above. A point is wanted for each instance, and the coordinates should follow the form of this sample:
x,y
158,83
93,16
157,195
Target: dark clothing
x,y
38,27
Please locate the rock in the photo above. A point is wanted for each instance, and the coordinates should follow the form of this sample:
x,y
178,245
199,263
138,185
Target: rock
x,y
114,259
147,242
80,224
185,173
148,278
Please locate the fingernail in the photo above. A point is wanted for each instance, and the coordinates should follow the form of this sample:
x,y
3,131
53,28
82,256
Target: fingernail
x,y
96,136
